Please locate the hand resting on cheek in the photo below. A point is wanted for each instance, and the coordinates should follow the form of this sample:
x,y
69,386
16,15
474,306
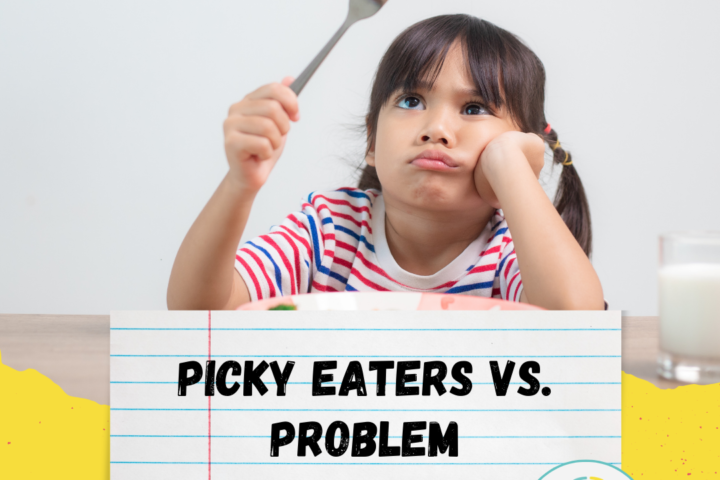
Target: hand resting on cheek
x,y
505,154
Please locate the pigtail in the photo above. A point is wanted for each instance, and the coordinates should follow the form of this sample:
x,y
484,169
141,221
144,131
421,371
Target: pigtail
x,y
570,200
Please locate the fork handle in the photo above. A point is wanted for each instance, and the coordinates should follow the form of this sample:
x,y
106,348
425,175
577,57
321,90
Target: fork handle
x,y
300,81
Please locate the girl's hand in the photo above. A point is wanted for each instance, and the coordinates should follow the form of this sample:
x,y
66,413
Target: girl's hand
x,y
255,132
500,158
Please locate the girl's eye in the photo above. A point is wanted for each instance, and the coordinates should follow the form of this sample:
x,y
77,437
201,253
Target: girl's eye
x,y
474,109
409,102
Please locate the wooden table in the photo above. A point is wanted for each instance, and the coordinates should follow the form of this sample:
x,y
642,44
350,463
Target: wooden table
x,y
74,350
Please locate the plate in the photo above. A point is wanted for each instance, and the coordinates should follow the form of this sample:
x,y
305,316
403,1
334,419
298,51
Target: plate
x,y
402,301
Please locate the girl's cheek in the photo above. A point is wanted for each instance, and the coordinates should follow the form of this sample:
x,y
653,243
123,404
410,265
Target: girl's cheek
x,y
481,148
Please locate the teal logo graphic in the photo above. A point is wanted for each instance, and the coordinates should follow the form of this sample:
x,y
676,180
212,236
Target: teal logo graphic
x,y
586,470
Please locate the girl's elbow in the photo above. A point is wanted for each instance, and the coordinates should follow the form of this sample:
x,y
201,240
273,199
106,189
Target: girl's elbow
x,y
573,300
584,305
584,301
587,295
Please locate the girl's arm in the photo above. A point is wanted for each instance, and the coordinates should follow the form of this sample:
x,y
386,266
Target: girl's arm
x,y
203,276
556,273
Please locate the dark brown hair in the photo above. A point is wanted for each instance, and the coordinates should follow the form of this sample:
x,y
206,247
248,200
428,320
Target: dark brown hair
x,y
493,55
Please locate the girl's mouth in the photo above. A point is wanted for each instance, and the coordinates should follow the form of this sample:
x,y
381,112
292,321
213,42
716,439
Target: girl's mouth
x,y
431,164
434,160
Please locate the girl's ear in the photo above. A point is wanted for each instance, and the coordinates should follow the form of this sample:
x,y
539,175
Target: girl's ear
x,y
370,158
370,155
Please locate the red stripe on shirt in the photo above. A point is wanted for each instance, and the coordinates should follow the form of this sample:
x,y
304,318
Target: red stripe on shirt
x,y
304,227
262,268
508,265
296,255
301,240
346,246
323,288
254,279
284,259
342,202
380,271
367,282
299,224
517,289
344,263
509,287
346,217
483,268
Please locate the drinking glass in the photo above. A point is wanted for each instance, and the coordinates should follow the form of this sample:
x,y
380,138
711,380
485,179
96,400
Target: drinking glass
x,y
689,300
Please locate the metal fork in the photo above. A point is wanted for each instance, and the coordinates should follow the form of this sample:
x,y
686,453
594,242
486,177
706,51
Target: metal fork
x,y
357,10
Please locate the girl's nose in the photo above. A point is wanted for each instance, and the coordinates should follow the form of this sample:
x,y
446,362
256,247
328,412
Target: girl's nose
x,y
427,138
438,130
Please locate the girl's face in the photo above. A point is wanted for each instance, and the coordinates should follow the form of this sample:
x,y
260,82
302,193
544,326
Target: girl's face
x,y
448,121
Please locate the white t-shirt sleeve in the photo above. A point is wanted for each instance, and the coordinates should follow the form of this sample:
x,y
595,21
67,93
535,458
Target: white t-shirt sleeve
x,y
281,262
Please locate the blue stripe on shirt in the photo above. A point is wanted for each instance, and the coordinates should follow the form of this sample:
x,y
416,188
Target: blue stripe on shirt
x,y
360,238
316,248
321,268
474,286
331,274
278,273
354,193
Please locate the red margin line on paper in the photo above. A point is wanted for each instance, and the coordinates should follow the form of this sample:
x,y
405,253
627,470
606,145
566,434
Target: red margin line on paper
x,y
209,397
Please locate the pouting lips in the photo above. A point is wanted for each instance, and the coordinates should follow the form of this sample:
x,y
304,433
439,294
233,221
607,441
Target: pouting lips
x,y
434,160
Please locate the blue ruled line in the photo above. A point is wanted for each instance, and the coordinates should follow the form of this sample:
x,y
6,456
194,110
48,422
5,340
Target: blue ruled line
x,y
418,382
346,463
386,329
204,355
399,436
368,410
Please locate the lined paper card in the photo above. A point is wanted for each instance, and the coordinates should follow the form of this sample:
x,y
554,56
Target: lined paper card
x,y
354,395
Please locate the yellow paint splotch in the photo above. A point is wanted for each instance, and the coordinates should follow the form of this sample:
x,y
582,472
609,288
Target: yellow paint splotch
x,y
673,433
47,434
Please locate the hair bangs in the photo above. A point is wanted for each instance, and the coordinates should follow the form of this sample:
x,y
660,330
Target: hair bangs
x,y
484,52
418,61
417,56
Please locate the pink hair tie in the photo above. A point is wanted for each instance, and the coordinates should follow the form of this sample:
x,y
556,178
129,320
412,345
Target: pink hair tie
x,y
547,129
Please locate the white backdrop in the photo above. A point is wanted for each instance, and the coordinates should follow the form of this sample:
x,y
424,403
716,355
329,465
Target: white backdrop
x,y
111,128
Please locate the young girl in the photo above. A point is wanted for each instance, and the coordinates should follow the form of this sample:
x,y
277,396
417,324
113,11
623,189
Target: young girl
x,y
455,144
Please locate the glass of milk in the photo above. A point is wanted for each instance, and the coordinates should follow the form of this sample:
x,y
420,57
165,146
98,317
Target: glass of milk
x,y
689,296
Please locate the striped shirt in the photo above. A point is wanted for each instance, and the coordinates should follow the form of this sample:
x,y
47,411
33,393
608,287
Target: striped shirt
x,y
337,243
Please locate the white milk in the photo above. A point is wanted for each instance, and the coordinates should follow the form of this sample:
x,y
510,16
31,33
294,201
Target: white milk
x,y
690,309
